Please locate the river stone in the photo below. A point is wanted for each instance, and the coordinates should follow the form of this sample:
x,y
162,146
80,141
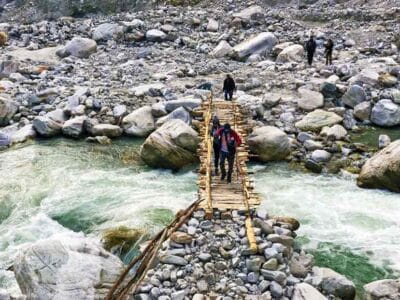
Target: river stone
x,y
107,130
269,143
320,156
304,291
301,264
253,12
383,141
155,35
178,114
8,108
181,237
78,47
254,264
270,100
309,100
74,127
366,76
276,290
264,41
173,260
317,119
51,124
386,289
73,267
222,49
336,132
271,264
202,286
4,140
291,53
23,134
354,95
362,111
212,25
139,123
277,276
189,103
171,146
386,113
158,109
313,166
119,111
265,227
387,80
107,31
382,170
282,239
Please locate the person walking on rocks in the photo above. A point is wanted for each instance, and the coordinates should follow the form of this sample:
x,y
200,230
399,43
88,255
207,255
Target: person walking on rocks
x,y
229,87
311,46
229,140
328,51
216,142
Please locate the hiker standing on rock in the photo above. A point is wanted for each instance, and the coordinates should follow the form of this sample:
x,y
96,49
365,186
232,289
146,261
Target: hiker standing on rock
x,y
311,46
229,141
216,142
229,87
328,51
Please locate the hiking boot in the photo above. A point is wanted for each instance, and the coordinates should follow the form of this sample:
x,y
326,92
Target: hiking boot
x,y
216,172
229,179
223,176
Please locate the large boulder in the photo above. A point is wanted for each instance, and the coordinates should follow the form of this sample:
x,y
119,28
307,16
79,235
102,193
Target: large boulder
x,y
362,111
387,289
291,53
332,283
304,291
366,76
221,50
317,119
269,143
23,134
78,47
73,267
354,95
8,108
50,124
107,31
301,264
139,122
178,114
107,130
309,100
74,127
188,102
386,113
171,146
264,41
382,170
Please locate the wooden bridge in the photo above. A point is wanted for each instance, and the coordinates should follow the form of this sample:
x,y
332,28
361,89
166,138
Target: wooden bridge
x,y
214,194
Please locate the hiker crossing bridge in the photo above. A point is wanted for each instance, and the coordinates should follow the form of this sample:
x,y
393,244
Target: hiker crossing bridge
x,y
213,193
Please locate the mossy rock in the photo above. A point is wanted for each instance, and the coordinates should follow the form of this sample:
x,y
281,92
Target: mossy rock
x,y
121,239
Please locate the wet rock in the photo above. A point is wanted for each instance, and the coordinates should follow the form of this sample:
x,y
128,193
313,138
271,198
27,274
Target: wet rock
x,y
354,96
320,156
291,53
385,113
264,41
388,289
317,119
74,127
382,170
171,146
304,291
309,100
69,268
139,123
313,166
108,130
8,108
78,47
269,143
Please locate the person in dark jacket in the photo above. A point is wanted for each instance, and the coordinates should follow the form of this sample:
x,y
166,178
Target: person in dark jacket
x,y
216,142
328,51
229,87
311,46
229,140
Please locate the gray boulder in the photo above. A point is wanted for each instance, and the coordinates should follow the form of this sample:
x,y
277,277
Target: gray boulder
x,y
309,100
253,12
178,114
107,130
301,264
107,31
51,124
221,50
304,291
291,53
354,95
8,67
336,132
362,111
320,156
382,171
366,76
8,108
317,119
189,103
264,41
67,268
155,35
385,113
139,123
387,289
78,47
269,143
4,140
171,146
23,134
212,25
74,127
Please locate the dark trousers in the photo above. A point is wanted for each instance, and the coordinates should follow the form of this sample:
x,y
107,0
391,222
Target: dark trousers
x,y
228,95
310,56
231,159
216,156
328,56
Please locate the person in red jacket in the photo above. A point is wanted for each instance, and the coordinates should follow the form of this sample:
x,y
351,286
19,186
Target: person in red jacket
x,y
229,141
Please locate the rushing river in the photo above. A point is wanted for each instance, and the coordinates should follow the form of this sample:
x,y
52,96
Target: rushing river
x,y
62,186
